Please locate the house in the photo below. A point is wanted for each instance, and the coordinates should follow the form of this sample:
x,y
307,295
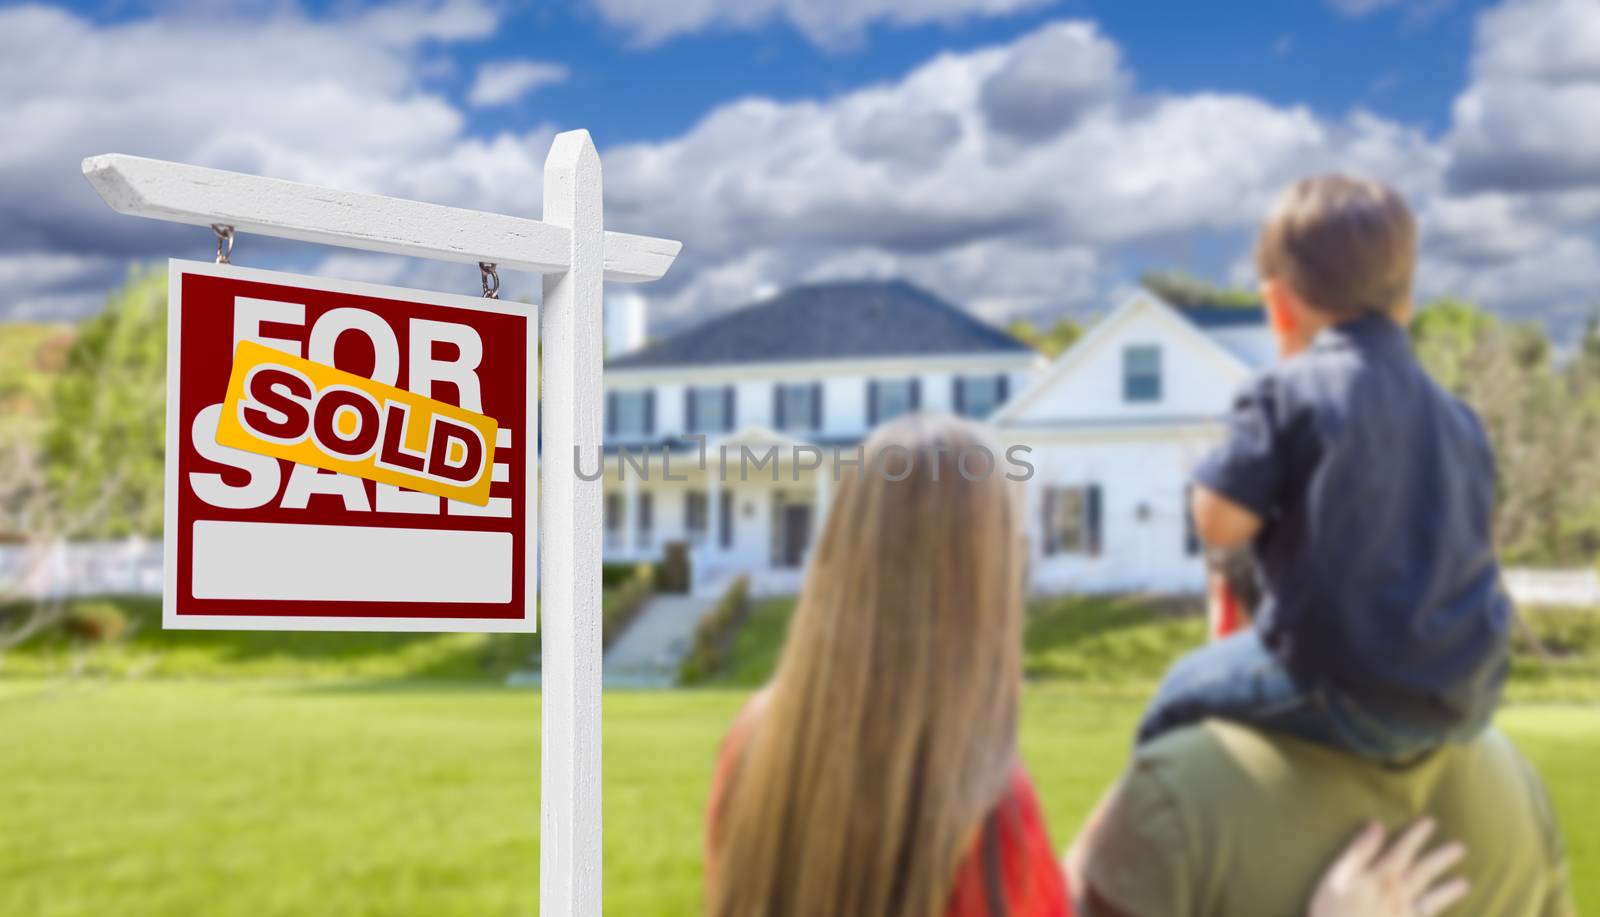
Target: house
x,y
725,436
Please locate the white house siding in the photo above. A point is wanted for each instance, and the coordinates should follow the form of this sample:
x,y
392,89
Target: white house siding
x,y
1199,376
1071,414
1142,476
844,388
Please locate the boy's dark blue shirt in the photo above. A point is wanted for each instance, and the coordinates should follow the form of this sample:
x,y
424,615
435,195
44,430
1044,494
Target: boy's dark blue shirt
x,y
1376,488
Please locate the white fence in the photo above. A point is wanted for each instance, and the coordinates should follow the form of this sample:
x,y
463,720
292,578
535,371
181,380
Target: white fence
x,y
1554,587
133,567
65,569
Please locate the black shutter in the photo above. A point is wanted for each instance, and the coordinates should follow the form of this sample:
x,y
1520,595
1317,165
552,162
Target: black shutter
x,y
725,521
650,412
646,511
611,413
816,405
1047,512
1191,538
872,402
727,408
777,406
1094,520
958,396
916,393
1002,388
688,411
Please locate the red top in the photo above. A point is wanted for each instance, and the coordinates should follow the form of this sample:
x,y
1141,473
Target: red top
x,y
1030,876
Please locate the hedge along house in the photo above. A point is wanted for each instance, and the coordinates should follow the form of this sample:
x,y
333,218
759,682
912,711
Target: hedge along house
x,y
780,388
778,392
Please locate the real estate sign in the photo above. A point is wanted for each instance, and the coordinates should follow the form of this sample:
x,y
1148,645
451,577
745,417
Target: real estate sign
x,y
345,456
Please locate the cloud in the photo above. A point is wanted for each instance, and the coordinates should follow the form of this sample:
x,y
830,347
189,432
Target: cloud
x,y
504,82
1050,79
828,23
1526,121
988,175
1028,177
327,99
1356,9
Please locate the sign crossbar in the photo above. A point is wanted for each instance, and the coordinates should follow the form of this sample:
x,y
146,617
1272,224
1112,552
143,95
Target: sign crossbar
x,y
199,196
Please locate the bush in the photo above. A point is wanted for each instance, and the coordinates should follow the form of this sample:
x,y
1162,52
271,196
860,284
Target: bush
x,y
617,574
714,637
95,622
623,600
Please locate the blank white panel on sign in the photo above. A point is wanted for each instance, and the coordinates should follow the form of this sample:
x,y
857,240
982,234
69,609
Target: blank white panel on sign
x,y
340,563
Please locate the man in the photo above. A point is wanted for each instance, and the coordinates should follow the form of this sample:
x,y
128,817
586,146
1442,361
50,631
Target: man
x,y
1223,819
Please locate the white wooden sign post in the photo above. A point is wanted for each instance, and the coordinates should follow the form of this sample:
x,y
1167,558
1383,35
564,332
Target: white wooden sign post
x,y
575,254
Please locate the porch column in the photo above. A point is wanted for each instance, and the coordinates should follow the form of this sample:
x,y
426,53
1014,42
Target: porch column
x,y
714,499
824,495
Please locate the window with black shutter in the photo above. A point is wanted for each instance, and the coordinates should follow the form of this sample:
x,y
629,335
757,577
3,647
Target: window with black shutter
x,y
889,398
1072,520
708,409
694,515
979,396
725,521
630,414
795,407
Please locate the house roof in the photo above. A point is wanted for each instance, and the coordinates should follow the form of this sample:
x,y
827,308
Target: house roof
x,y
1211,317
829,321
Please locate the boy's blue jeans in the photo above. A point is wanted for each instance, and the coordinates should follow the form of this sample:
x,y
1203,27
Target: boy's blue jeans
x,y
1239,679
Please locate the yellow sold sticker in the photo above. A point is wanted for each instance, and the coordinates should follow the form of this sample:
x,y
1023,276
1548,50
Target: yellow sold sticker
x,y
291,408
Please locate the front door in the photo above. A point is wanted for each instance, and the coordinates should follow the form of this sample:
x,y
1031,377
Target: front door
x,y
796,533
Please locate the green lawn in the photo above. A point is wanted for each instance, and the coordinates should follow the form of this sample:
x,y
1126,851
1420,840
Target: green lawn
x,y
387,774
260,798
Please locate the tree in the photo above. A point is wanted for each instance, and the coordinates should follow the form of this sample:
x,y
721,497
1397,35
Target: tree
x,y
1180,288
1542,418
1052,342
103,446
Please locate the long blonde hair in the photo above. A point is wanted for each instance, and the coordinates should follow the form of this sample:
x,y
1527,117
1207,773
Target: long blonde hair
x,y
889,732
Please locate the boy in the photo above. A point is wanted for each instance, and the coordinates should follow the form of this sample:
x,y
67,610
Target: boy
x,y
1365,491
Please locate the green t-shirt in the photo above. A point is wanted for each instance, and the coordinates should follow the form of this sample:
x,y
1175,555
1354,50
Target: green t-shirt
x,y
1221,820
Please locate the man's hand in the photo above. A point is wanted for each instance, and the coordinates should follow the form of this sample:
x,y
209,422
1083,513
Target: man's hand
x,y
1220,522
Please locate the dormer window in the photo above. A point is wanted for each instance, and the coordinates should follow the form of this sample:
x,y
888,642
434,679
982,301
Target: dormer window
x,y
1141,373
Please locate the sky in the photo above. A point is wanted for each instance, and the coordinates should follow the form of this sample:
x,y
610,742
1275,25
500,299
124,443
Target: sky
x,y
1018,157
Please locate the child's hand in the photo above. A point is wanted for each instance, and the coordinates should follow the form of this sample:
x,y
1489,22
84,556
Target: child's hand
x,y
1363,883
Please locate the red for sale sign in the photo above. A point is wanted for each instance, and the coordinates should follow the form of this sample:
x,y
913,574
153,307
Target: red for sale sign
x,y
345,456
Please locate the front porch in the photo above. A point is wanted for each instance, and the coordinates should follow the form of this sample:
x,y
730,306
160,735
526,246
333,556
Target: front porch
x,y
751,504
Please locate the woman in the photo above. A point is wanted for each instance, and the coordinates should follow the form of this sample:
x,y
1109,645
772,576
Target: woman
x,y
878,773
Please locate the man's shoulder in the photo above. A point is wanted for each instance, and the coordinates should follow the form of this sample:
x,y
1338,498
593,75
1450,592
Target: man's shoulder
x,y
1219,818
1221,749
1218,768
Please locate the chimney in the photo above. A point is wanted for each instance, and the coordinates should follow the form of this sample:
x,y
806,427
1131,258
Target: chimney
x,y
626,317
